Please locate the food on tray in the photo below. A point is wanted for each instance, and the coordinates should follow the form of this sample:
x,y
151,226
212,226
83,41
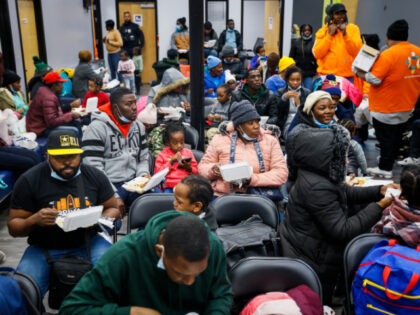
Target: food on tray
x,y
356,181
137,184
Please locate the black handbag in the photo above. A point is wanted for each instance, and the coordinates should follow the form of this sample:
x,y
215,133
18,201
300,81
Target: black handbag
x,y
66,271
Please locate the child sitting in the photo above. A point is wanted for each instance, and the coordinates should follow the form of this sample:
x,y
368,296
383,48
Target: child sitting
x,y
259,58
138,63
95,86
193,194
126,68
179,160
219,111
402,218
357,159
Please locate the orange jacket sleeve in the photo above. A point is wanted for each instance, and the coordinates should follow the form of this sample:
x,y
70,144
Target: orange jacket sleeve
x,y
322,43
353,40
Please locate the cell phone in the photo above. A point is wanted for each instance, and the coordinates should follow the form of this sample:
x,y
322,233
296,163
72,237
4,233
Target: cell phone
x,y
186,160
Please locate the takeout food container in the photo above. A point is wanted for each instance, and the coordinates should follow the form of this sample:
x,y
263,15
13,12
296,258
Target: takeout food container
x,y
236,171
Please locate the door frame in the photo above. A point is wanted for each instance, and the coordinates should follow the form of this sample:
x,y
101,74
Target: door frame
x,y
98,28
6,37
117,9
227,9
39,22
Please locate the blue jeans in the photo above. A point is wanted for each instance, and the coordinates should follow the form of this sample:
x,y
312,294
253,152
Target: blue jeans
x,y
210,52
307,82
129,83
74,125
34,262
113,63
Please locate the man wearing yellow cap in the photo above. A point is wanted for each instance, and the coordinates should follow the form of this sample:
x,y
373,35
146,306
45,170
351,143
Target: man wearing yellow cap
x,y
276,82
59,186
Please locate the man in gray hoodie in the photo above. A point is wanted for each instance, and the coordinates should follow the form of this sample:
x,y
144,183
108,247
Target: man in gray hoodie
x,y
115,142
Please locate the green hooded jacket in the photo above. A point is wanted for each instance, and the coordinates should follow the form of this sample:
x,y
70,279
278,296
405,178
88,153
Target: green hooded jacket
x,y
127,275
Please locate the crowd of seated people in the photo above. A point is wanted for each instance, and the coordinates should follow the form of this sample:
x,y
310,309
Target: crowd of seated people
x,y
291,118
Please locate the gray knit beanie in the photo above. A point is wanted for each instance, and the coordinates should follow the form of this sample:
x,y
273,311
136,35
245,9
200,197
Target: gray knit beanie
x,y
228,51
243,111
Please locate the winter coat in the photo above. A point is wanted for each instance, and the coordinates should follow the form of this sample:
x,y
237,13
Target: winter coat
x,y
120,157
284,104
235,67
82,74
180,40
6,100
175,174
161,95
218,153
222,40
132,36
45,112
266,105
212,36
301,52
163,65
318,223
335,54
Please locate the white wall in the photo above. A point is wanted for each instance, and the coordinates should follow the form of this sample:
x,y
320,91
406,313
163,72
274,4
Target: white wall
x,y
168,12
68,30
254,17
235,13
16,42
108,12
287,26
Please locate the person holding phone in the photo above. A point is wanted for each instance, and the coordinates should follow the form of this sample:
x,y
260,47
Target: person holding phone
x,y
337,43
175,156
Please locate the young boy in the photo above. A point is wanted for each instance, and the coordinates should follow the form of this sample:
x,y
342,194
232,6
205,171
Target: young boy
x,y
193,194
138,63
219,111
95,86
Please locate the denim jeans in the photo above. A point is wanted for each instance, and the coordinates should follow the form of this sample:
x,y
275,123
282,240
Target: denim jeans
x,y
307,82
210,52
113,64
34,262
129,83
74,125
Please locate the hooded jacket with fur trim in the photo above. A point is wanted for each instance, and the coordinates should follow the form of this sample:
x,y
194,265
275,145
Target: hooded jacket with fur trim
x,y
121,158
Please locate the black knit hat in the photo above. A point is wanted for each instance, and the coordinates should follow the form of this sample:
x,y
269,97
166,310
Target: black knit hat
x,y
398,30
243,111
10,77
337,7
182,20
228,51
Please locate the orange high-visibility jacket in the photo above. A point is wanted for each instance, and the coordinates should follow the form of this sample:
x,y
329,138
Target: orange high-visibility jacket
x,y
335,54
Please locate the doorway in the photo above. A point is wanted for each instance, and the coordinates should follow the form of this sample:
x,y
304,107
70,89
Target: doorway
x,y
6,40
144,14
31,34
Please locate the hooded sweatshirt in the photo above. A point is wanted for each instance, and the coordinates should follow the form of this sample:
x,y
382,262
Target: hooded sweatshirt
x,y
161,95
118,150
127,275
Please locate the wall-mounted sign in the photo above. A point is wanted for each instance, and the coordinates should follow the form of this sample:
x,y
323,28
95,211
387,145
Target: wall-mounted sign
x,y
138,19
147,5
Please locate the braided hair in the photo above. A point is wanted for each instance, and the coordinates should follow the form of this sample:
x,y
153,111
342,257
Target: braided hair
x,y
410,184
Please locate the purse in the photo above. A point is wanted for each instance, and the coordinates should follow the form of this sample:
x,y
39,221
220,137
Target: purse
x,y
272,193
66,271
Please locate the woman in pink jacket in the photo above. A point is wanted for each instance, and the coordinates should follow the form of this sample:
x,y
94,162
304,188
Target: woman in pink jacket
x,y
250,139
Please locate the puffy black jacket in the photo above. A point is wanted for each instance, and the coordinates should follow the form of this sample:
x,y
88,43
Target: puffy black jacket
x,y
319,222
235,67
301,52
284,107
266,104
132,36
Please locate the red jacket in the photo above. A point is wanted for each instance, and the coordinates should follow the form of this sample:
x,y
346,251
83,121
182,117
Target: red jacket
x,y
45,112
175,174
102,98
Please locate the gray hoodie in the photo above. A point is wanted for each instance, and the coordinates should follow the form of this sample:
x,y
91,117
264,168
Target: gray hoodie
x,y
161,94
106,148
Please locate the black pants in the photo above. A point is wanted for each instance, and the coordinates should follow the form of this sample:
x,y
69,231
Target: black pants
x,y
137,81
390,138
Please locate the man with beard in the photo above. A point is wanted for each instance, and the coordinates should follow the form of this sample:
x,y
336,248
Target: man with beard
x,y
58,186
132,35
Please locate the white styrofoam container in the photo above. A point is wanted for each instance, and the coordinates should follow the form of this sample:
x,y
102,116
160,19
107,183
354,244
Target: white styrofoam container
x,y
236,171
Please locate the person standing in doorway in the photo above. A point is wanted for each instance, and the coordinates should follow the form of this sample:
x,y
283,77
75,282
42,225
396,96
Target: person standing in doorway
x,y
231,37
132,35
113,43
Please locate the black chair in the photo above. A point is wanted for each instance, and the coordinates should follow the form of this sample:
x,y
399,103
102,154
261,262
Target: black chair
x,y
191,136
257,275
354,253
31,293
145,207
234,208
198,155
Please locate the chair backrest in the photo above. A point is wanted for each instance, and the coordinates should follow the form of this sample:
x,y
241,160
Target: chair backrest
x,y
234,208
28,287
354,253
145,207
191,136
198,155
256,275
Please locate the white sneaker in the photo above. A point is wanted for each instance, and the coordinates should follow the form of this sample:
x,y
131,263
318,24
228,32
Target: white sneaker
x,y
2,257
376,171
409,161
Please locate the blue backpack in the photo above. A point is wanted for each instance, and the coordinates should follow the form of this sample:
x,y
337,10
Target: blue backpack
x,y
387,280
